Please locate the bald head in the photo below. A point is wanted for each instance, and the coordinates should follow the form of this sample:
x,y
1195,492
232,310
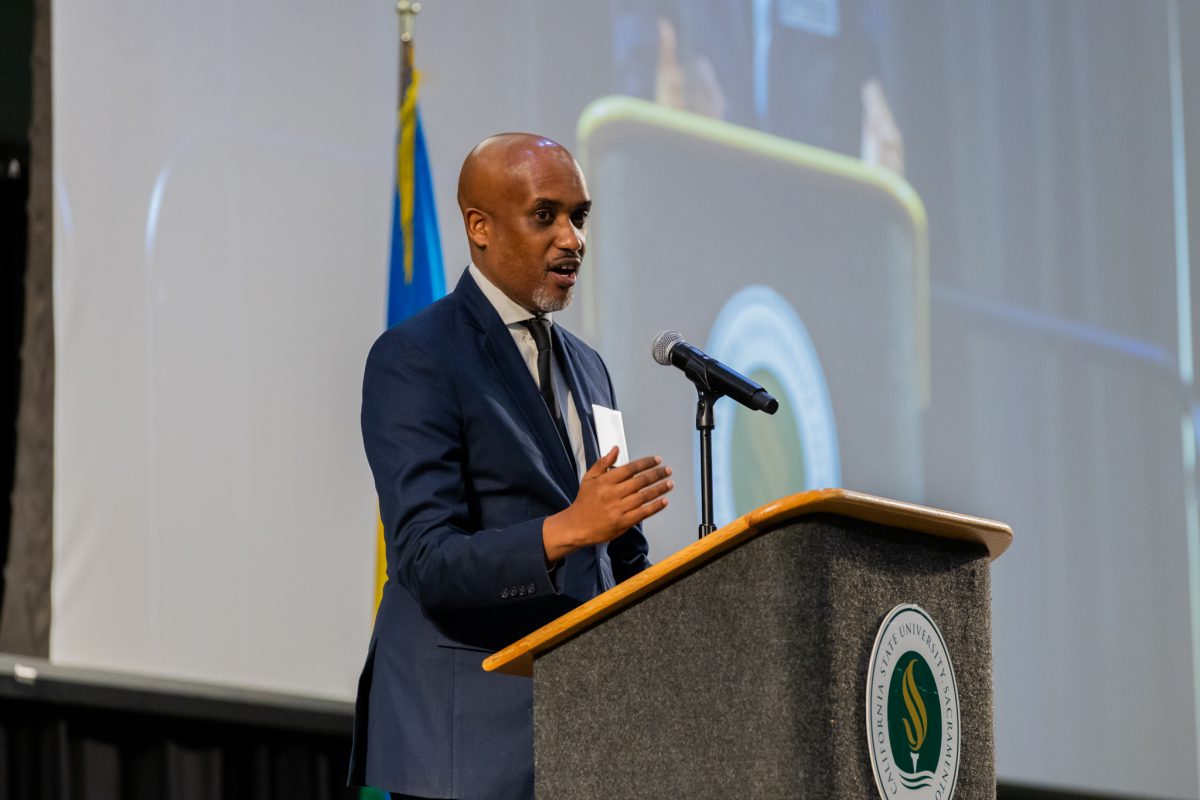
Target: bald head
x,y
525,205
498,162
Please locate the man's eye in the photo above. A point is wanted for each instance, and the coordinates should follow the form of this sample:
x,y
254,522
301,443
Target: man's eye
x,y
543,215
579,218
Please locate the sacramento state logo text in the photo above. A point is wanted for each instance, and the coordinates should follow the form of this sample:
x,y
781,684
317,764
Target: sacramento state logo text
x,y
912,709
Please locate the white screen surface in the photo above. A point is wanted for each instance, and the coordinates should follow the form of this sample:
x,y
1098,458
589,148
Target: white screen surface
x,y
221,235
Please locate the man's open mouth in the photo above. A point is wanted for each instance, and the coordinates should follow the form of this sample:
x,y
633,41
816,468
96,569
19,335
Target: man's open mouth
x,y
565,273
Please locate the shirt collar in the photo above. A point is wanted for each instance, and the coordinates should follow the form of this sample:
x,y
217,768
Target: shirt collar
x,y
511,312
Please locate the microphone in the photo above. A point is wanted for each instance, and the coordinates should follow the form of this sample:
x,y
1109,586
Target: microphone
x,y
710,375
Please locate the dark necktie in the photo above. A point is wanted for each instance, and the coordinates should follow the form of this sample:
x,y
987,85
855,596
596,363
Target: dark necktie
x,y
540,330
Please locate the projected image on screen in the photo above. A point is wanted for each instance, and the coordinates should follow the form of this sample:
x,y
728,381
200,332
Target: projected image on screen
x,y
1031,360
837,330
807,70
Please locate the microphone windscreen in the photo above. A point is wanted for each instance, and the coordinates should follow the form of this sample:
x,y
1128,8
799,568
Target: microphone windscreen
x,y
661,348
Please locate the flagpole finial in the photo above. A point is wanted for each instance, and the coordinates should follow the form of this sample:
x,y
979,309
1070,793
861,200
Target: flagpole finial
x,y
408,10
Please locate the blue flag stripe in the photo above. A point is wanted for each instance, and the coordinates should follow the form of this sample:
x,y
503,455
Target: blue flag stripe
x,y
429,279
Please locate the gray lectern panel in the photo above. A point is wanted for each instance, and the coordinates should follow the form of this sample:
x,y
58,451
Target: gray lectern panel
x,y
747,678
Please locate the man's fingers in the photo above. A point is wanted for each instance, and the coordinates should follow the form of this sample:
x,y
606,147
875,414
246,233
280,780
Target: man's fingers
x,y
643,496
645,511
604,462
647,477
621,474
626,495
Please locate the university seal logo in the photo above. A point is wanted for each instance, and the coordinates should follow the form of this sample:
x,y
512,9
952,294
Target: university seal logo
x,y
912,709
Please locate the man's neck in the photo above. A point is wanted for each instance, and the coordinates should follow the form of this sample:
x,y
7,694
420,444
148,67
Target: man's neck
x,y
510,311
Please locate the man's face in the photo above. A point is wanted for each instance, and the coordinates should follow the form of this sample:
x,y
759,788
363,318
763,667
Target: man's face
x,y
533,235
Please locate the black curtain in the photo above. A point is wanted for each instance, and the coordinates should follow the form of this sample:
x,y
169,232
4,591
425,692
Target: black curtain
x,y
16,89
14,188
51,752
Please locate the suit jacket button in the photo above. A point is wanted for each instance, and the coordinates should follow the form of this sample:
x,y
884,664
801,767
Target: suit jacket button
x,y
504,594
531,588
521,591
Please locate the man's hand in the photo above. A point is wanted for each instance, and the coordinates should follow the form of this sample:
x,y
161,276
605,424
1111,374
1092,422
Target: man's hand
x,y
610,502
882,144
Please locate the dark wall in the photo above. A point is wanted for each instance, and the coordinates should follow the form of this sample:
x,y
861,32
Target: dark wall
x,y
16,92
16,78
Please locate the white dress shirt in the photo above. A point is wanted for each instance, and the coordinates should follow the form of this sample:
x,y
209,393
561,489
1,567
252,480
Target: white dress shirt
x,y
513,314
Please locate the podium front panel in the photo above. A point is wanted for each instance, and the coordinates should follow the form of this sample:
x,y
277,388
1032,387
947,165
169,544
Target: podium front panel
x,y
747,678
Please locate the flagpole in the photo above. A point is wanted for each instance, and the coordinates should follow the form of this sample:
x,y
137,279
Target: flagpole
x,y
407,10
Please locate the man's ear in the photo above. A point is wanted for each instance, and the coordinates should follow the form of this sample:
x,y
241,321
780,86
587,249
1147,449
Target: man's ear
x,y
478,227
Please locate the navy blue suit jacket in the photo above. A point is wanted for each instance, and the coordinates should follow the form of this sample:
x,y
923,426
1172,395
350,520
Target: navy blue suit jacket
x,y
467,464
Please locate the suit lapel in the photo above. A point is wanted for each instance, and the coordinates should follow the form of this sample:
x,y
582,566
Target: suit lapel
x,y
497,344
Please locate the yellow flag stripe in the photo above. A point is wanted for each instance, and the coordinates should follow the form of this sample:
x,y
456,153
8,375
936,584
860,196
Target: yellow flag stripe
x,y
380,560
406,159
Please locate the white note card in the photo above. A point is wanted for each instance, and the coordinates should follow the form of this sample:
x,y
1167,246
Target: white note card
x,y
610,430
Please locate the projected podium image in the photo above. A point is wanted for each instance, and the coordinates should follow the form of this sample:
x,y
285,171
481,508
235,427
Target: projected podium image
x,y
804,269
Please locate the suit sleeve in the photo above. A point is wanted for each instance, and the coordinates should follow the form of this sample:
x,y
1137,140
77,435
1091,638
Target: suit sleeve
x,y
413,434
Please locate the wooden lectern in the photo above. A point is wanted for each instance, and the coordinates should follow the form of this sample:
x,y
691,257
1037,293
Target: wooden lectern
x,y
738,666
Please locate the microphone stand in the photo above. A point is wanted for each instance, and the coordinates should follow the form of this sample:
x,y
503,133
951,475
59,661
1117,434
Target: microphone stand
x,y
696,366
705,400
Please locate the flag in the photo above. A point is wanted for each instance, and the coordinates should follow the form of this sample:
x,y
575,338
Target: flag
x,y
415,277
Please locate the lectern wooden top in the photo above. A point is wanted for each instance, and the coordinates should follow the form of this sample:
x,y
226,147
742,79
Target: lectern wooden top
x,y
517,658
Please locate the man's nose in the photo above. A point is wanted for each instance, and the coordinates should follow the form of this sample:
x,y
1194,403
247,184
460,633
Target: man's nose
x,y
569,237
